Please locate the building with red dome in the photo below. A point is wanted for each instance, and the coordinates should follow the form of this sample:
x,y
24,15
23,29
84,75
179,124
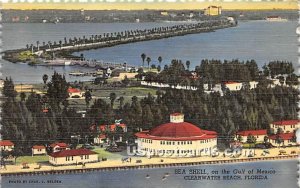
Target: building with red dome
x,y
177,139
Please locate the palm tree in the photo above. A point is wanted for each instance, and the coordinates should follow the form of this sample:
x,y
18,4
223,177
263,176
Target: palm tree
x,y
121,100
45,78
38,45
143,56
148,62
112,97
159,60
188,63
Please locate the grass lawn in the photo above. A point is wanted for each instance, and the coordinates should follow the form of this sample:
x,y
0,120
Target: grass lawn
x,y
34,159
102,153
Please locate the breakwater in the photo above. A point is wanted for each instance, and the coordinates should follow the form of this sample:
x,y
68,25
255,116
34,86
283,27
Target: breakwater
x,y
146,166
64,48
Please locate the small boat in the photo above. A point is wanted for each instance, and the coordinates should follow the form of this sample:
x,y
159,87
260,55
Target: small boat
x,y
163,178
167,174
147,176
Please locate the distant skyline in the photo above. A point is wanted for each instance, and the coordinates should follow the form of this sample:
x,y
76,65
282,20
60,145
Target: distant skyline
x,y
153,4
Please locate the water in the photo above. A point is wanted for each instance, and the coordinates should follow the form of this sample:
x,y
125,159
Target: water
x,y
285,176
260,40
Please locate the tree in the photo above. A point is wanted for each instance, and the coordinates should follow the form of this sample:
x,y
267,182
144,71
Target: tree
x,y
187,63
125,81
159,60
121,100
148,62
45,78
9,88
88,97
239,138
112,97
251,139
143,56
22,96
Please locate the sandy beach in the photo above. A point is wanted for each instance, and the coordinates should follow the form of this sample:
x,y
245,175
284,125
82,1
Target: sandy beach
x,y
290,153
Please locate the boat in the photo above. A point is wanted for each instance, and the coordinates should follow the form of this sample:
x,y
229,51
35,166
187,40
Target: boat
x,y
275,19
147,176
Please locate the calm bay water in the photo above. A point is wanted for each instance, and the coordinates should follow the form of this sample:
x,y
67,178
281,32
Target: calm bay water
x,y
260,40
285,176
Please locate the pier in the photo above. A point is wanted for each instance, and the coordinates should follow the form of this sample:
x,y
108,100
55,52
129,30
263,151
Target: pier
x,y
64,49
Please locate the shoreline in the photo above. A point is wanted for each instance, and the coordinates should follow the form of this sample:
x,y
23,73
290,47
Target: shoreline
x,y
63,170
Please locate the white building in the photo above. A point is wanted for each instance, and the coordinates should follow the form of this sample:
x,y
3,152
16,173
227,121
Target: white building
x,y
287,126
7,145
177,139
259,135
286,139
38,150
73,156
59,146
233,86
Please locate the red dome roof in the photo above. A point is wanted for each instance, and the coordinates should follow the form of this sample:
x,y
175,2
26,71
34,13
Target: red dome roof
x,y
177,131
183,129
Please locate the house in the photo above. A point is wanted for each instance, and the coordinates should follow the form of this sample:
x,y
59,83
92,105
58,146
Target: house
x,y
100,139
59,146
284,139
233,86
38,150
253,84
75,93
213,11
287,126
7,145
259,135
73,156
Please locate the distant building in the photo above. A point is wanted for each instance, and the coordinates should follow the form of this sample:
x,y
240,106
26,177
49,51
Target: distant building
x,y
73,156
284,139
75,93
164,13
100,139
177,139
213,11
38,150
59,146
101,129
6,145
259,135
233,86
287,126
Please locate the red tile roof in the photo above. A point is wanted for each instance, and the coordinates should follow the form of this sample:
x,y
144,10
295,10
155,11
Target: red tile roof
x,y
60,144
72,152
73,90
177,131
286,122
253,132
38,147
6,143
102,136
231,82
176,114
109,127
284,136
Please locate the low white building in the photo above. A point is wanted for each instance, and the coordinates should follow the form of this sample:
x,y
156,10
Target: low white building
x,y
259,135
75,93
73,156
59,146
285,139
287,126
38,150
7,145
233,86
100,139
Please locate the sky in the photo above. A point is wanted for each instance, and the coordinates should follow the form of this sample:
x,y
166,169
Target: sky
x,y
147,4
